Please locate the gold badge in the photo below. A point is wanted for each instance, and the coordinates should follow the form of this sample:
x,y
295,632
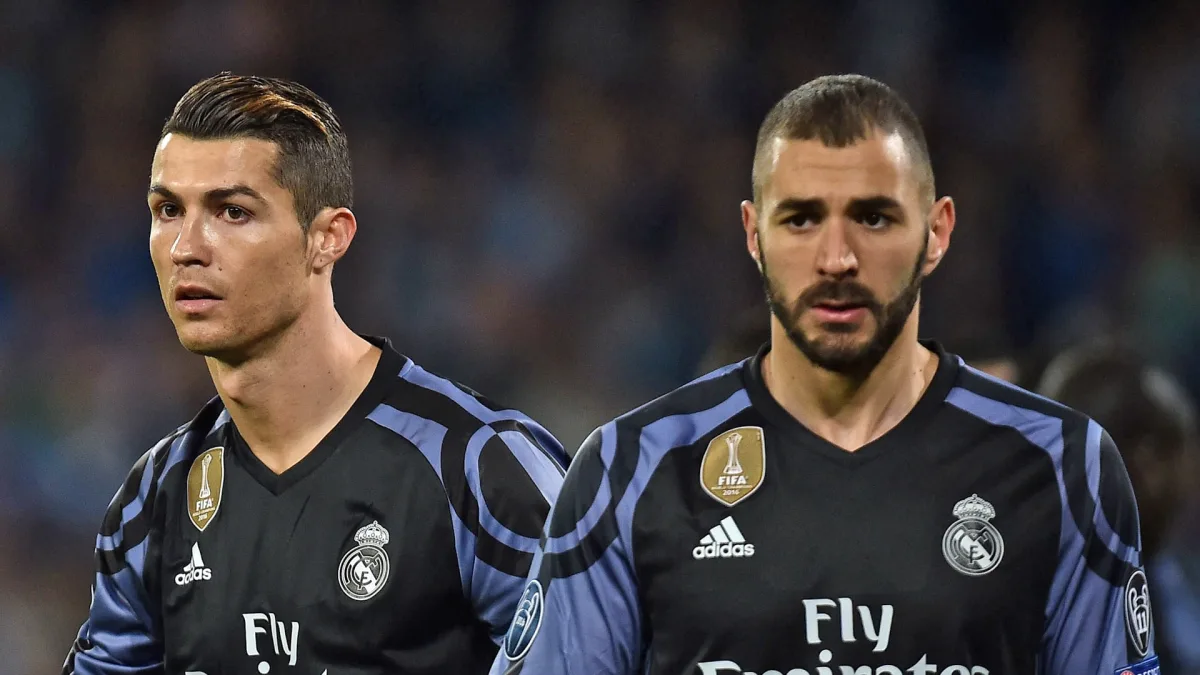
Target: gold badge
x,y
206,480
734,465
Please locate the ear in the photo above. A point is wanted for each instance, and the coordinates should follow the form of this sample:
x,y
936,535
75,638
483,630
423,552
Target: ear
x,y
750,225
329,237
941,226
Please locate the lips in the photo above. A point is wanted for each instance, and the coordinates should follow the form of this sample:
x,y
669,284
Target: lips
x,y
195,300
840,306
843,312
194,292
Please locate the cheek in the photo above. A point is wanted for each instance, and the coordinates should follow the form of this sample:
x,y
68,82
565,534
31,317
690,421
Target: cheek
x,y
272,277
787,257
889,270
160,250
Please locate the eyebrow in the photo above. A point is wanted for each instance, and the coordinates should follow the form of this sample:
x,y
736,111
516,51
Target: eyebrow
x,y
818,207
214,195
873,203
796,205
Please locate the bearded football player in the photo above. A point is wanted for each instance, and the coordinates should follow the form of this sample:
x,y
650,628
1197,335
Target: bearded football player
x,y
852,499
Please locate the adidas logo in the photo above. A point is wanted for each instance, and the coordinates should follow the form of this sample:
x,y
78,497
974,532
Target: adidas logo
x,y
725,540
194,570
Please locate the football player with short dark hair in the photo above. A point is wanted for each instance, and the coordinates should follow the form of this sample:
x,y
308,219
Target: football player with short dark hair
x,y
335,508
850,500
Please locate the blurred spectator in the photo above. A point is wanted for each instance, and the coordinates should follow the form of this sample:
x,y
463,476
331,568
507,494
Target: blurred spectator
x,y
1153,424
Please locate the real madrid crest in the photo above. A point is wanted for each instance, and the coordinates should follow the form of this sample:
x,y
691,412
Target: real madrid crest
x,y
364,569
972,545
734,465
205,484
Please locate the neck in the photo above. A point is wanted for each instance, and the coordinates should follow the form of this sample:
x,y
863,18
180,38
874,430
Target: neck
x,y
849,411
291,394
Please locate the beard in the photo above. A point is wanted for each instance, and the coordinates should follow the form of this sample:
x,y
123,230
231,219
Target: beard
x,y
833,347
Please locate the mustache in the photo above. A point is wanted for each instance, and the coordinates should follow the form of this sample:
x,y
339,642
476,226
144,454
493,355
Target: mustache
x,y
841,292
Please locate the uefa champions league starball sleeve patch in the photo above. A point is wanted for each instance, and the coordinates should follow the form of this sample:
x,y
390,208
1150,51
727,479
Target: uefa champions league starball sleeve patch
x,y
1147,667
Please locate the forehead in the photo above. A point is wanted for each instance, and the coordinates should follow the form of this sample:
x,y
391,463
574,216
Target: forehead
x,y
808,169
182,163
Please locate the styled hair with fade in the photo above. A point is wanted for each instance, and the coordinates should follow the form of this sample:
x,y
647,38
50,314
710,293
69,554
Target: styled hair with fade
x,y
840,110
314,158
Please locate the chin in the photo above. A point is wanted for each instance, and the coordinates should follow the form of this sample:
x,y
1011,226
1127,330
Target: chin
x,y
844,340
851,352
206,340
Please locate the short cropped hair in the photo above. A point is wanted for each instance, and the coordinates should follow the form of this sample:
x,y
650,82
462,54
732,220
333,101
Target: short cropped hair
x,y
840,110
313,163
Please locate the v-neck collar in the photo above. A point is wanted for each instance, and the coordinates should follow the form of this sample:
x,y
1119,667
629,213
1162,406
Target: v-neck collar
x,y
386,371
899,436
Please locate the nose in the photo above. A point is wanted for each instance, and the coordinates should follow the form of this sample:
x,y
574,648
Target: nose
x,y
191,245
835,252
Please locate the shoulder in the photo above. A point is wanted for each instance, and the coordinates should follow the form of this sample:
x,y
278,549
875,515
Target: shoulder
x,y
1099,508
184,443
636,441
998,401
431,411
1079,446
684,415
129,514
1064,433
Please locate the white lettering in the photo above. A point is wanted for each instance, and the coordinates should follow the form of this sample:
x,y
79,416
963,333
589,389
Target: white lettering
x,y
274,635
884,634
922,667
847,612
289,649
283,641
714,667
185,578
252,631
812,617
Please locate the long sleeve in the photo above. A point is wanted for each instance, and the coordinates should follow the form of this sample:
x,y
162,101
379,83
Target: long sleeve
x,y
1099,618
119,635
580,613
515,474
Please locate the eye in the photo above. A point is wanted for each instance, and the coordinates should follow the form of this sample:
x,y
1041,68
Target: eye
x,y
235,213
167,210
876,221
800,222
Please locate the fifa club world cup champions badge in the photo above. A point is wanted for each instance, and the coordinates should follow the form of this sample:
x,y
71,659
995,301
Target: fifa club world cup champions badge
x,y
205,484
734,465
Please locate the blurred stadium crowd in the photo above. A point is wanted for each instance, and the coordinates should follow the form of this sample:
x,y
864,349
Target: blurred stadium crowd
x,y
548,203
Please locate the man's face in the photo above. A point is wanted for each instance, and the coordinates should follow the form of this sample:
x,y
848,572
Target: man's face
x,y
231,258
844,241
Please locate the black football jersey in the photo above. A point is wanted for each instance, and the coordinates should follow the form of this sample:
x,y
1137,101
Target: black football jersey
x,y
991,532
400,544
